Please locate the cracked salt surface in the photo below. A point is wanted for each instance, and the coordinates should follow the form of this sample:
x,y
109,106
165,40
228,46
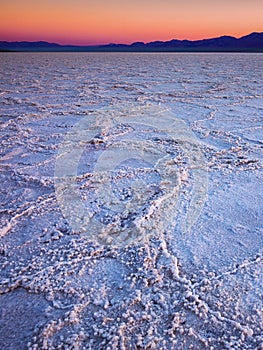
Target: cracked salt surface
x,y
138,152
68,286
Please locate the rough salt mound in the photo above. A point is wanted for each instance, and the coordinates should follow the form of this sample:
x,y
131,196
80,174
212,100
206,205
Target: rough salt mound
x,y
167,251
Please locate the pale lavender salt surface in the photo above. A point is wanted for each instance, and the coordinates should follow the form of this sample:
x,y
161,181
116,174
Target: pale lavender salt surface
x,y
124,273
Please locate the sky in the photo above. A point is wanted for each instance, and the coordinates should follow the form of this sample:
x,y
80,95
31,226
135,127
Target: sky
x,y
89,22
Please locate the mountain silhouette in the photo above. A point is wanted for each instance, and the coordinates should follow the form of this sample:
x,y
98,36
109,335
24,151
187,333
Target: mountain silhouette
x,y
249,43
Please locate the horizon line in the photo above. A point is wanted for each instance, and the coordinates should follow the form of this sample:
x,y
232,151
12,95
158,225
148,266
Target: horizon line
x,y
119,43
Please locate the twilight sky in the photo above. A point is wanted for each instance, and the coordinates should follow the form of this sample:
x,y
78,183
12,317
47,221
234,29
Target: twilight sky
x,y
125,21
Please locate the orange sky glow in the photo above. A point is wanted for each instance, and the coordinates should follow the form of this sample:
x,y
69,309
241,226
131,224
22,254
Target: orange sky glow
x,y
88,22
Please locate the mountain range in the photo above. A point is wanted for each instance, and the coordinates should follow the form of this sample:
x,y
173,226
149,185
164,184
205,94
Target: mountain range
x,y
249,43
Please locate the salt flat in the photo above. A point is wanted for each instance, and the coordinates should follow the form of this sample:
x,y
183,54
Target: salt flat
x,y
131,201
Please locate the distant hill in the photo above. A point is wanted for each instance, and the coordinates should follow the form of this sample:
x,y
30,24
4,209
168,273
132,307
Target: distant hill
x,y
249,43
